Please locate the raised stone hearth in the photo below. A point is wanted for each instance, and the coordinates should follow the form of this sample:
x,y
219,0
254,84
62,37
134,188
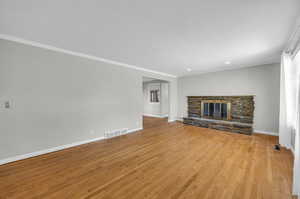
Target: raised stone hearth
x,y
226,113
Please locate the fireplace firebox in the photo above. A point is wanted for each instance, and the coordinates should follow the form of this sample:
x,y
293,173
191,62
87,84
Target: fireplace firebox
x,y
216,109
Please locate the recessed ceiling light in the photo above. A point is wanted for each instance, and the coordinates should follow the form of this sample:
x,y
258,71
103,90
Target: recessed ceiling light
x,y
189,70
227,62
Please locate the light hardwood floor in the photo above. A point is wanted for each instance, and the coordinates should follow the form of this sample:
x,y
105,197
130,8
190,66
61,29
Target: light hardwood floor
x,y
163,161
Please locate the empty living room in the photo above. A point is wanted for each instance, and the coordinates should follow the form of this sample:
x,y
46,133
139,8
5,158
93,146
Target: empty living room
x,y
169,99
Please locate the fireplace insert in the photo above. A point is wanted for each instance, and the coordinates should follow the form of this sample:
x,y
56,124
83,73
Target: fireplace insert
x,y
216,109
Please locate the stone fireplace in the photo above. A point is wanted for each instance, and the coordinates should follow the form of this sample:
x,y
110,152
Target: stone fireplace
x,y
227,113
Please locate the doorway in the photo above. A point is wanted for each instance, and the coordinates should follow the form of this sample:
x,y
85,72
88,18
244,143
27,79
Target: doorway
x,y
156,102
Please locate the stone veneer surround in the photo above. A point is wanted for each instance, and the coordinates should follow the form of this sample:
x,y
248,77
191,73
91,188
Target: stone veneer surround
x,y
241,118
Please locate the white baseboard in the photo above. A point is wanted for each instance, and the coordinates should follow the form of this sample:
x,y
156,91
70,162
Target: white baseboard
x,y
153,115
293,151
173,119
58,148
41,152
289,147
265,132
134,130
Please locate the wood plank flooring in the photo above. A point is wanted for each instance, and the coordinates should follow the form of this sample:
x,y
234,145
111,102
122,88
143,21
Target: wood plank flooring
x,y
165,160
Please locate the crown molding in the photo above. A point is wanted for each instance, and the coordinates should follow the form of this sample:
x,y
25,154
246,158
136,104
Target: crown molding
x,y
78,54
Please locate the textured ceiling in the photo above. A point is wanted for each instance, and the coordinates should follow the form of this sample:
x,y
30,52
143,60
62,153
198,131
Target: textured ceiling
x,y
162,35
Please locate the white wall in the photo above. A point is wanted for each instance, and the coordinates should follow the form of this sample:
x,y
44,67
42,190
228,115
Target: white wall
x,y
161,108
164,99
261,81
58,99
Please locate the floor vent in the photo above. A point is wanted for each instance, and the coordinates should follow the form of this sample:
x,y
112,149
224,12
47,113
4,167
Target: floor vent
x,y
277,147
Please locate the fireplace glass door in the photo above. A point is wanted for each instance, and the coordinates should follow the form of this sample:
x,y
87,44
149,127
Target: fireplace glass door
x,y
216,110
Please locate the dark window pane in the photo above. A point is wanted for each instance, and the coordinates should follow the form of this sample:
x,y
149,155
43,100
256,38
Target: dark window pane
x,y
154,96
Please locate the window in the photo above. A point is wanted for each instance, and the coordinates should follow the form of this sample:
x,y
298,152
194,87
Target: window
x,y
154,96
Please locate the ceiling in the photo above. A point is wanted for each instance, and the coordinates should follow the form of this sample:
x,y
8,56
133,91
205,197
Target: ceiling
x,y
168,36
